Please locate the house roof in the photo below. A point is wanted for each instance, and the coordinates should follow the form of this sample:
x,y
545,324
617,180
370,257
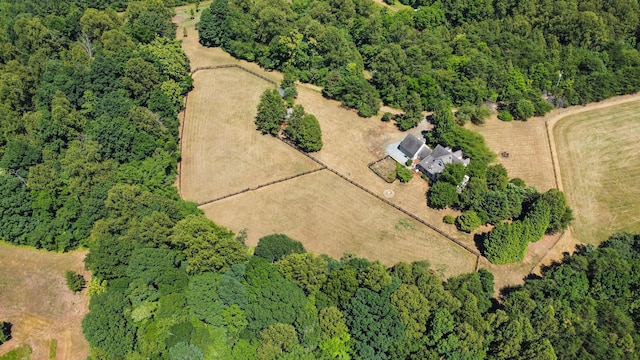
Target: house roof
x,y
434,163
411,145
424,152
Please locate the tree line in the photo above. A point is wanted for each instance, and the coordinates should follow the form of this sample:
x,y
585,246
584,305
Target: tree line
x,y
527,56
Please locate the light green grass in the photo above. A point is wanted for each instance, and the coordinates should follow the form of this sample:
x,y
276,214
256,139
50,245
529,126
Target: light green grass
x,y
20,353
53,348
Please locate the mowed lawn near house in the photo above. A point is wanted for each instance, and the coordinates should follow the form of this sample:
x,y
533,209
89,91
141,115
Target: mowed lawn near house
x,y
222,152
599,164
331,216
35,299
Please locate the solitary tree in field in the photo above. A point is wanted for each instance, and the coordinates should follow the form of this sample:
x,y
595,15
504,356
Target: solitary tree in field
x,y
75,281
271,112
304,130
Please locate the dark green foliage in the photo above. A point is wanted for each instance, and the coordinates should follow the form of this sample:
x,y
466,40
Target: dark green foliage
x,y
19,156
442,194
373,322
106,326
75,281
560,214
403,173
453,174
497,177
16,220
272,299
412,112
304,131
274,247
506,243
468,221
271,112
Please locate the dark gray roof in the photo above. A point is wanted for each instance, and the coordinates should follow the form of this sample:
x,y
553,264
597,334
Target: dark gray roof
x,y
434,163
424,152
410,145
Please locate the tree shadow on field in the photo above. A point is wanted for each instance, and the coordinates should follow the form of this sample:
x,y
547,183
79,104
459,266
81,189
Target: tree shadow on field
x,y
5,331
478,239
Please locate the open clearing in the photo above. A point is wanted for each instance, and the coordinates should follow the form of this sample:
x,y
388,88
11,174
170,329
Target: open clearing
x,y
331,216
35,299
222,151
527,144
319,209
599,165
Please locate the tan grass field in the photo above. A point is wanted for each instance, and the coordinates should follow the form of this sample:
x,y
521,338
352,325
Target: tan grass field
x,y
528,148
331,216
599,165
350,144
222,151
36,300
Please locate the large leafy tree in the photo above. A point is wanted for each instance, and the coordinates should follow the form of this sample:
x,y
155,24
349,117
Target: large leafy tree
x,y
271,112
208,247
274,247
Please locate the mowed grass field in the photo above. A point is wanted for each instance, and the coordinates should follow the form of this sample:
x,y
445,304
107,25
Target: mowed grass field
x,y
222,152
331,216
528,148
599,164
35,299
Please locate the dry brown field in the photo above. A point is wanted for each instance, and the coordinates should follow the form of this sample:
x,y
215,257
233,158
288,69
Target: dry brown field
x,y
527,144
350,144
331,216
599,166
36,300
222,151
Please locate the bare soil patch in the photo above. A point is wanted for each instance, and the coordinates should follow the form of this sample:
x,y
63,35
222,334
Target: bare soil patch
x,y
331,216
36,300
527,144
222,152
599,166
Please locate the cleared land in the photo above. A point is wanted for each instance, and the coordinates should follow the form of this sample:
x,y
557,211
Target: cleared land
x,y
36,300
222,151
314,210
331,216
527,144
599,165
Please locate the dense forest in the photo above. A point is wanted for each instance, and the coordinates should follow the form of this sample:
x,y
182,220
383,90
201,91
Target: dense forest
x,y
463,52
88,152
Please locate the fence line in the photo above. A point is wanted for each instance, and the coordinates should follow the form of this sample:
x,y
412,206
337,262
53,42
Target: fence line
x,y
260,186
186,100
404,211
371,164
223,66
324,166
